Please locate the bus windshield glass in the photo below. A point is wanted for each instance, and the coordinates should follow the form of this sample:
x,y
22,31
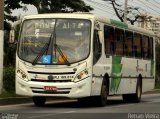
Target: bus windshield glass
x,y
60,40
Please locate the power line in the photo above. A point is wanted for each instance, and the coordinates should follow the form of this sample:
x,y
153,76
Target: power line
x,y
102,9
121,2
100,5
146,5
156,2
152,3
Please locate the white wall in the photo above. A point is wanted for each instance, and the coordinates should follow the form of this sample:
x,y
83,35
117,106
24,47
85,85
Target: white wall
x,y
1,59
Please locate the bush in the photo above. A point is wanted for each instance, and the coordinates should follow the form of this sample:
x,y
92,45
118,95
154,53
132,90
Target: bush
x,y
157,85
9,79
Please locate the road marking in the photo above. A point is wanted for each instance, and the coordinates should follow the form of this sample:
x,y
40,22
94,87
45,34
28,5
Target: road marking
x,y
42,116
16,105
154,101
46,115
119,106
70,112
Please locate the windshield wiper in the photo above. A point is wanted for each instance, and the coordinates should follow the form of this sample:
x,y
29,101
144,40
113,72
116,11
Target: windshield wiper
x,y
44,49
62,55
57,48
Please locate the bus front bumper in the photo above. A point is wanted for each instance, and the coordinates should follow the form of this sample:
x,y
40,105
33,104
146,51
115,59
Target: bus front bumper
x,y
69,89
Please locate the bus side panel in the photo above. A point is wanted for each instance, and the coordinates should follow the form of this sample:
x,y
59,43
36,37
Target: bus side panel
x,y
123,75
125,78
148,84
126,86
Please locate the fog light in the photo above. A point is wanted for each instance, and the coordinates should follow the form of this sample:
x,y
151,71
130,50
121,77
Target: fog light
x,y
18,71
79,76
24,76
86,72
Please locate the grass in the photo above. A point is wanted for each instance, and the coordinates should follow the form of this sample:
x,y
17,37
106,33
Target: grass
x,y
6,94
157,86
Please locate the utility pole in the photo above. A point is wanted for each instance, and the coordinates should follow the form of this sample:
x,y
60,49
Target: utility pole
x,y
125,11
1,42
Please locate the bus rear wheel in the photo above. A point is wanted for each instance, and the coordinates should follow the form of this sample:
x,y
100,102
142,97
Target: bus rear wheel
x,y
136,97
39,101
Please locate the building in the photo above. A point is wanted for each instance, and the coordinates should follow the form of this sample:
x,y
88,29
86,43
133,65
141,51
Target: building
x,y
150,22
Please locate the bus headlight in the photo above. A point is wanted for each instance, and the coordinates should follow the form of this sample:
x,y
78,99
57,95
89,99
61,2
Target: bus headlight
x,y
82,75
21,74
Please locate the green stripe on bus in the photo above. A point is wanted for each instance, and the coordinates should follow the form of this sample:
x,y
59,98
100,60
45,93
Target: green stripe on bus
x,y
116,73
118,24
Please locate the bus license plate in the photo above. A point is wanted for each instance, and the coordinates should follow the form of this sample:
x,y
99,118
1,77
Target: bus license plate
x,y
50,88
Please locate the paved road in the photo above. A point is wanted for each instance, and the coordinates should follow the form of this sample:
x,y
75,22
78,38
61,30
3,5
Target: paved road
x,y
148,108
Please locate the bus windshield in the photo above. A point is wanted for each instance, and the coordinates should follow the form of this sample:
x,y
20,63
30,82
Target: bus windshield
x,y
54,41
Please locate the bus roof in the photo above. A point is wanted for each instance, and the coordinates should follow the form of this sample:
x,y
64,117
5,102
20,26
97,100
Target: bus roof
x,y
88,15
62,15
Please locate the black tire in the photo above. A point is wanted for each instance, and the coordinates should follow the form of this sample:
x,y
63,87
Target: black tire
x,y
136,97
102,99
39,101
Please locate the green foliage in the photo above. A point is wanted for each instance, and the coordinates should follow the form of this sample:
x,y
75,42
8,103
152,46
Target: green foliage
x,y
157,85
57,6
9,79
9,51
8,8
6,94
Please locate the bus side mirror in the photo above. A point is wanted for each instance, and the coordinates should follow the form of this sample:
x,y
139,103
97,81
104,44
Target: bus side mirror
x,y
12,36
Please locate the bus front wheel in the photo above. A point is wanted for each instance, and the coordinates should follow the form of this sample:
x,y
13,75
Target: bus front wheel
x,y
104,94
39,101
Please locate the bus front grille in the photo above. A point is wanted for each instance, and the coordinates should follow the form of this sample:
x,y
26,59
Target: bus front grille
x,y
55,81
58,91
51,92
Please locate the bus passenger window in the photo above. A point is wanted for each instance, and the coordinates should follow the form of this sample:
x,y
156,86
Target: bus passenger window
x,y
145,48
119,35
137,45
128,43
109,40
151,48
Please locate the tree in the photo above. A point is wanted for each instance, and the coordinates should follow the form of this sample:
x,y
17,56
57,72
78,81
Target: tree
x,y
43,6
53,6
133,13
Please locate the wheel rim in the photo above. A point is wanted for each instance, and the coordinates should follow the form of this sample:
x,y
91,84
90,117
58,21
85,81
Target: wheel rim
x,y
104,94
139,92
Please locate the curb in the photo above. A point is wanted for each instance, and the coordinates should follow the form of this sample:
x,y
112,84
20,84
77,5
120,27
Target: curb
x,y
24,100
15,100
152,91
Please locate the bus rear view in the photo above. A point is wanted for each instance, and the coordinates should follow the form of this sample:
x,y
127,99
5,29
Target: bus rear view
x,y
53,57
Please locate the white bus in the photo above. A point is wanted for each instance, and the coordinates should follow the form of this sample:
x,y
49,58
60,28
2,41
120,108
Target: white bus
x,y
79,55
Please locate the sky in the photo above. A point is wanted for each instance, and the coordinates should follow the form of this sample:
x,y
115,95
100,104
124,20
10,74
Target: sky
x,y
104,8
